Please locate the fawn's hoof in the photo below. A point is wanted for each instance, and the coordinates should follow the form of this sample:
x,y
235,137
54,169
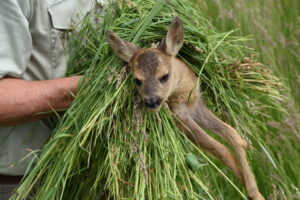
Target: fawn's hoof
x,y
257,197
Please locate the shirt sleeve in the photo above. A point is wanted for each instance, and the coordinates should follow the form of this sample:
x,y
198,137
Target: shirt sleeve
x,y
15,38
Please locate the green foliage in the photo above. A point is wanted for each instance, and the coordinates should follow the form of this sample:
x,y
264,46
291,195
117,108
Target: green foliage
x,y
108,145
275,31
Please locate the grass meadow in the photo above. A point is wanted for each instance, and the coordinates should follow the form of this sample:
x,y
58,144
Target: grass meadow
x,y
109,145
274,29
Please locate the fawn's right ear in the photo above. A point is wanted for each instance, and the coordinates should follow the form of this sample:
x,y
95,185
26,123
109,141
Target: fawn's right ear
x,y
123,49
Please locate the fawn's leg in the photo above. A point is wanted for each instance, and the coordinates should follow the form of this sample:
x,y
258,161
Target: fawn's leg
x,y
205,141
205,118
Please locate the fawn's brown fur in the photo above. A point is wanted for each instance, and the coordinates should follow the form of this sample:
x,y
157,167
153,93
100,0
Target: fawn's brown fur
x,y
161,77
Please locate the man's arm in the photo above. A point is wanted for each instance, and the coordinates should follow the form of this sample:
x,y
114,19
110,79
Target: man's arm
x,y
22,100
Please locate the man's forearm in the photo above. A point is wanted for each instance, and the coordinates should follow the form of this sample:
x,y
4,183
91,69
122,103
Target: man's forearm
x,y
21,101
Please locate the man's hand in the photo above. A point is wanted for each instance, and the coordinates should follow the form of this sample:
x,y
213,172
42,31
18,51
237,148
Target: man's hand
x,y
22,100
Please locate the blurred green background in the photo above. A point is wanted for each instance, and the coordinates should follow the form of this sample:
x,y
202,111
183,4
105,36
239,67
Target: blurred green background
x,y
274,27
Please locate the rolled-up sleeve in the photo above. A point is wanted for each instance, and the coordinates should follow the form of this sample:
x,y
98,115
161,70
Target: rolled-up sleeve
x,y
15,38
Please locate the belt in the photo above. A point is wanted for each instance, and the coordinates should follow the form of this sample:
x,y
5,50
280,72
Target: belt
x,y
5,179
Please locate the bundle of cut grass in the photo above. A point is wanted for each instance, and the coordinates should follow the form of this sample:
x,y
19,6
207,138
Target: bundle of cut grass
x,y
108,146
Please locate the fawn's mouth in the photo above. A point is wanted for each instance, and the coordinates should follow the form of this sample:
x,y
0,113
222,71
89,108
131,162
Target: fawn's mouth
x,y
154,106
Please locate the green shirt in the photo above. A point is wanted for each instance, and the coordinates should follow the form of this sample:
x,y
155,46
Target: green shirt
x,y
32,48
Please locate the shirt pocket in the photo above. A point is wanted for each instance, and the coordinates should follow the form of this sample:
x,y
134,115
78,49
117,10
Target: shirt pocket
x,y
63,14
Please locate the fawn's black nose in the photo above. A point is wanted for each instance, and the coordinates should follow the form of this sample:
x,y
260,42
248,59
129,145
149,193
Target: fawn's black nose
x,y
152,102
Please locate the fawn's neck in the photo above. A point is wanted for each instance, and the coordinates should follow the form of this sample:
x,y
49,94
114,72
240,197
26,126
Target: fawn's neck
x,y
184,88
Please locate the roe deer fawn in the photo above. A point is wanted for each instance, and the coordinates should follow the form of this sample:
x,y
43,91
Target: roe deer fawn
x,y
161,77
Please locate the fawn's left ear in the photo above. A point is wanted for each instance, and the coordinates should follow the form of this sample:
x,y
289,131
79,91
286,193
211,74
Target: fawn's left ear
x,y
123,49
173,42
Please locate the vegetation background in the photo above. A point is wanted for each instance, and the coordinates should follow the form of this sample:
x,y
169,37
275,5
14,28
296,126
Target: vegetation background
x,y
92,162
275,30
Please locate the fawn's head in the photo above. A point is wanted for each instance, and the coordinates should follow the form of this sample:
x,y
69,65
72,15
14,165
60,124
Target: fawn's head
x,y
152,68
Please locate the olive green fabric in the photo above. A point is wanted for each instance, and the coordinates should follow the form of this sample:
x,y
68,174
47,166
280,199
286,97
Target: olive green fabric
x,y
32,45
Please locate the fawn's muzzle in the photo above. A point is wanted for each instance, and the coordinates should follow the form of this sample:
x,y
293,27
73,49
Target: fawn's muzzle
x,y
152,102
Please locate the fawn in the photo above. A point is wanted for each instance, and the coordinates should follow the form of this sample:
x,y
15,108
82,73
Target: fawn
x,y
161,77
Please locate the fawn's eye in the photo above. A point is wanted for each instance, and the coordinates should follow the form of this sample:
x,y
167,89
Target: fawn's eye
x,y
137,82
164,78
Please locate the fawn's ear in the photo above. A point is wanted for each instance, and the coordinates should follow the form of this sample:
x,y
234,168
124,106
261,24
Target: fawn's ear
x,y
173,42
123,49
